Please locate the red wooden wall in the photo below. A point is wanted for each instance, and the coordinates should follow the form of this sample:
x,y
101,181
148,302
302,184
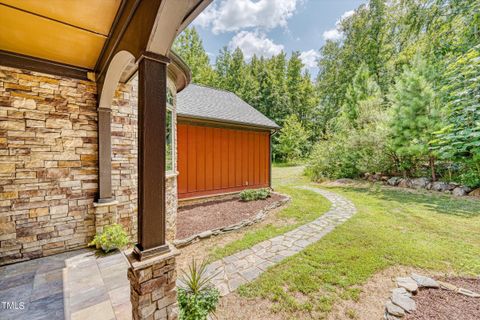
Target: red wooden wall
x,y
218,160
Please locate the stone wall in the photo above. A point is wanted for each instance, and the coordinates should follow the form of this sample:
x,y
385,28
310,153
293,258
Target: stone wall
x,y
124,156
48,164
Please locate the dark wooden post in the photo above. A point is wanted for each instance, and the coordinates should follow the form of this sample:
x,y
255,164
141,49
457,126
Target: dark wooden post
x,y
152,104
104,155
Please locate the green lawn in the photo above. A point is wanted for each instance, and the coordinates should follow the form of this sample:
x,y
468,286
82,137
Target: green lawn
x,y
391,227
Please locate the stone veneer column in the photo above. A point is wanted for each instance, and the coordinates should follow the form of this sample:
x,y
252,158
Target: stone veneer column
x,y
105,214
153,289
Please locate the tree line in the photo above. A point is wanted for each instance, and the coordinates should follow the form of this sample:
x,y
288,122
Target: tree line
x,y
277,86
398,94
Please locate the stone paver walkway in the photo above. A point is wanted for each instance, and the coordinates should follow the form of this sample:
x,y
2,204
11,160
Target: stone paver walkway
x,y
80,285
77,285
244,266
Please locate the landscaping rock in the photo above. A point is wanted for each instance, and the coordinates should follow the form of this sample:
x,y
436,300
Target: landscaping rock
x,y
468,293
404,302
205,234
447,286
394,310
459,192
408,283
440,186
475,193
390,317
405,183
401,291
393,181
420,183
425,282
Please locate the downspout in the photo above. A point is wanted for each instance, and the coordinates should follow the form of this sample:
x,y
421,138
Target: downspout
x,y
272,132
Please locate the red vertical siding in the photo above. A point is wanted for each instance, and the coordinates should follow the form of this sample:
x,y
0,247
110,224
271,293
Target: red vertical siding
x,y
192,154
209,158
219,160
182,150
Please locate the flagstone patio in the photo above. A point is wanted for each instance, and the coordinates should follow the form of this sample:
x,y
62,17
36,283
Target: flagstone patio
x,y
84,285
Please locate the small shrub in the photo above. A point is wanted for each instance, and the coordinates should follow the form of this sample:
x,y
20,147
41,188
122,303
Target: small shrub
x,y
113,237
333,159
197,298
255,194
468,176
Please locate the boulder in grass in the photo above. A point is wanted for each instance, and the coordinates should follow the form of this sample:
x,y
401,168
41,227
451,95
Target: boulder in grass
x,y
420,183
475,193
440,186
405,183
459,192
393,181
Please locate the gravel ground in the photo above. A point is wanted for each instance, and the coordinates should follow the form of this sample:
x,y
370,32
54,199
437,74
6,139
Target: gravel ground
x,y
441,304
196,218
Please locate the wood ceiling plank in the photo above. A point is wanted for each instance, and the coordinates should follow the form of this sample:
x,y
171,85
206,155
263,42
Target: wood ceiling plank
x,y
35,36
94,15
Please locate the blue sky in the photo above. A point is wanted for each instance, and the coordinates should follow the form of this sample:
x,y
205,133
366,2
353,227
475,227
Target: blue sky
x,y
265,27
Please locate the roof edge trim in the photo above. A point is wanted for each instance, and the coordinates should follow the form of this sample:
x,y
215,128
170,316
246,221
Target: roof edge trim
x,y
246,124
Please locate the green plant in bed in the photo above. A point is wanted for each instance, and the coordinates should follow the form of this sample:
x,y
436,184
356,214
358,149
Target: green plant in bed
x,y
113,237
255,194
197,297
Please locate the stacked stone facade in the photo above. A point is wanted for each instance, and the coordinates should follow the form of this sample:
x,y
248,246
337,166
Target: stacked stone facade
x,y
49,165
124,156
124,160
153,288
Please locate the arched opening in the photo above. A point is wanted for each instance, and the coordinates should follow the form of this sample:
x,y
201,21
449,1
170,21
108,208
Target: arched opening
x,y
117,66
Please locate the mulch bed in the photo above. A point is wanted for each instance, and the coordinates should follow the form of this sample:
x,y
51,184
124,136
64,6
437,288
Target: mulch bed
x,y
439,304
193,219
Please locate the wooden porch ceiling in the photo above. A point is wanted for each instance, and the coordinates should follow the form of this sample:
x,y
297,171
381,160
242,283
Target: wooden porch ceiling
x,y
70,32
80,37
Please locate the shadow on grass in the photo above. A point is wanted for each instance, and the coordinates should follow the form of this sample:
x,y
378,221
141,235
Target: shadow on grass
x,y
444,204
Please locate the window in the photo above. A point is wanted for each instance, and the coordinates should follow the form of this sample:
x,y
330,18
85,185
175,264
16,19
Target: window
x,y
169,134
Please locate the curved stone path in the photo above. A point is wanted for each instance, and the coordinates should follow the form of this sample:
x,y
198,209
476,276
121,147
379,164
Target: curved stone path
x,y
244,266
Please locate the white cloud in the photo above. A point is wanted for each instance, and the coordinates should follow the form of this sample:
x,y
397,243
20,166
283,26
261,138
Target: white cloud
x,y
336,34
254,43
332,34
346,14
234,15
309,58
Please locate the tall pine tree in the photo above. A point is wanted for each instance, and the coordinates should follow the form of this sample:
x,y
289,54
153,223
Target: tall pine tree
x,y
415,116
189,47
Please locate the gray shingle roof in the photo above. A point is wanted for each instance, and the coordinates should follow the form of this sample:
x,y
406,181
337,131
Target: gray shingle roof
x,y
196,101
